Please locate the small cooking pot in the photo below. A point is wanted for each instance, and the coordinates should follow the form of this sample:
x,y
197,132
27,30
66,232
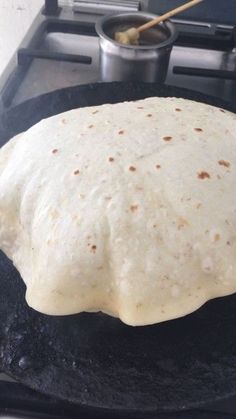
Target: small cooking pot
x,y
147,61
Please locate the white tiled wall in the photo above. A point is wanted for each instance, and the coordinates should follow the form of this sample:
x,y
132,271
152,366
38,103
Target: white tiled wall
x,y
15,18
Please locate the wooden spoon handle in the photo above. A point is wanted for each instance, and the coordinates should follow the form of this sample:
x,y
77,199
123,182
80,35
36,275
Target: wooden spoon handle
x,y
167,15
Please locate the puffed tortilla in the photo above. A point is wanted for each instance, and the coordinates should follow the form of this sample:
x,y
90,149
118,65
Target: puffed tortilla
x,y
128,208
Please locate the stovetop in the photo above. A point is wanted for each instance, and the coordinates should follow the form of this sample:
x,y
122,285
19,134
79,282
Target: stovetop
x,y
61,49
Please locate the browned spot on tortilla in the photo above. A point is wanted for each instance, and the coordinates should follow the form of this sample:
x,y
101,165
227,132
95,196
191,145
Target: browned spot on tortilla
x,y
182,223
91,126
133,208
158,166
132,169
111,159
93,248
96,111
178,109
217,237
167,138
54,213
149,115
203,175
224,163
140,107
222,110
121,132
55,151
198,129
76,172
199,205
63,121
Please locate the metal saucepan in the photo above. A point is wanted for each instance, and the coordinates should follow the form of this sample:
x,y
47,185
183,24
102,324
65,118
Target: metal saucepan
x,y
147,61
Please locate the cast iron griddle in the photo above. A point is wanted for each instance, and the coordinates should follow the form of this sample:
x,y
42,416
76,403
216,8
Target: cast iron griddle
x,y
92,359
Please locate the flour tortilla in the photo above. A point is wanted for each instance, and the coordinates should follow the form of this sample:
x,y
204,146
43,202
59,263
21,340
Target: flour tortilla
x,y
129,209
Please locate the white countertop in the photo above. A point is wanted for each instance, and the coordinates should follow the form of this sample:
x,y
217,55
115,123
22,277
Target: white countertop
x,y
15,18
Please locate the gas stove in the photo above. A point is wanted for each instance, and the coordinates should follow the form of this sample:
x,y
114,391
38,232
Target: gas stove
x,y
61,49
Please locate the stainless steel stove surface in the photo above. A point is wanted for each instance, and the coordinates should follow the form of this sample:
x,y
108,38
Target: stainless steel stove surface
x,y
61,49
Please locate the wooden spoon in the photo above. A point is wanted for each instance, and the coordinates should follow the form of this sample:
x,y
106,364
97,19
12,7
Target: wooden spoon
x,y
131,36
